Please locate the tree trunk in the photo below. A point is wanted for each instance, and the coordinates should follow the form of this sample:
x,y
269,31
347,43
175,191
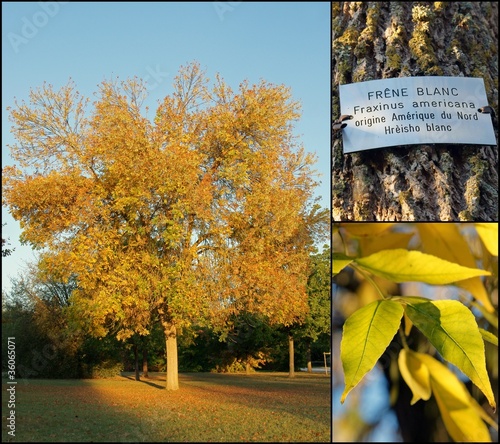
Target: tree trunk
x,y
145,362
308,357
379,40
248,367
291,357
136,362
172,362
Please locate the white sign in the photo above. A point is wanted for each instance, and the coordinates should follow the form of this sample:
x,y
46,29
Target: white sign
x,y
415,110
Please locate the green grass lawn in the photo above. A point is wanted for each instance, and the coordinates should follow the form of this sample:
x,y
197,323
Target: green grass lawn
x,y
208,407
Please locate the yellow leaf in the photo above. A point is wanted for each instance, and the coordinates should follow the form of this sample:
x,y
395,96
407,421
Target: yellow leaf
x,y
387,240
488,232
489,337
339,262
452,329
408,324
366,229
460,416
401,265
415,374
366,335
445,241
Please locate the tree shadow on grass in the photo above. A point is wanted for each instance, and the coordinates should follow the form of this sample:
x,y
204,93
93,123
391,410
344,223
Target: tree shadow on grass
x,y
307,397
152,384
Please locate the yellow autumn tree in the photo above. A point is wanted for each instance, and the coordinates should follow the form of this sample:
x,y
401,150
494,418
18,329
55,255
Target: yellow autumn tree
x,y
191,216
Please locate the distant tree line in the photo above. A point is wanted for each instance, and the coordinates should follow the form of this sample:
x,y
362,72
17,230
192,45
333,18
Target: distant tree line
x,y
50,344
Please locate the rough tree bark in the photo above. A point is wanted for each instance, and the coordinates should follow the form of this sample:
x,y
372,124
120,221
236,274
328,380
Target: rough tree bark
x,y
377,40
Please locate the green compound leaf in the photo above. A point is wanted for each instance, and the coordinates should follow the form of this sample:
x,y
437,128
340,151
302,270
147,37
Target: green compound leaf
x,y
402,265
366,335
452,329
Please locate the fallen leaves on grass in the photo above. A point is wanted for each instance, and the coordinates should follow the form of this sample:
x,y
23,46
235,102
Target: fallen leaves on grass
x,y
206,408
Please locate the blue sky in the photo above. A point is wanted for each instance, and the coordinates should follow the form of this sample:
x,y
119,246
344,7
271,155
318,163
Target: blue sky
x,y
280,42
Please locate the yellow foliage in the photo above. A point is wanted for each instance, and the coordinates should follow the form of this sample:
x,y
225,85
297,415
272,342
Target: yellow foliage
x,y
205,206
459,411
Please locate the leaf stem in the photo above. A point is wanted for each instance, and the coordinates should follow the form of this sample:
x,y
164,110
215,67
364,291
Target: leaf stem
x,y
403,338
369,279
